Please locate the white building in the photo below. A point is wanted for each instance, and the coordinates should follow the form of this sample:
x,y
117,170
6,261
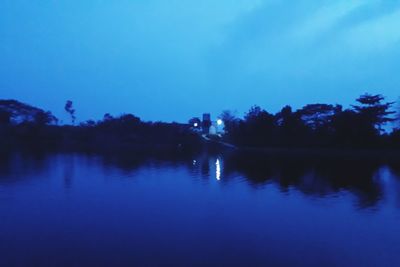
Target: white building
x,y
207,126
217,128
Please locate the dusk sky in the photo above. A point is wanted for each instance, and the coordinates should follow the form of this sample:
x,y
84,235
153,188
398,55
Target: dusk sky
x,y
172,60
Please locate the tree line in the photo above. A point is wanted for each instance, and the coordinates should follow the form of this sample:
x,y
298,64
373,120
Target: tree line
x,y
25,126
363,125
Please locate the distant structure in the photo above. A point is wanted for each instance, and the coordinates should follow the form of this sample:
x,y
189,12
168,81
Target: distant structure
x,y
207,126
206,123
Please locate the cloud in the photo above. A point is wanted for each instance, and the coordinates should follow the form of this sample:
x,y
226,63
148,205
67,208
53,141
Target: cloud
x,y
309,52
323,19
377,34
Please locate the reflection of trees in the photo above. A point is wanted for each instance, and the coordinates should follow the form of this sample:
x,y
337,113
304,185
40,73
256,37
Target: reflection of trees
x,y
130,162
311,176
354,176
395,167
15,167
257,170
69,172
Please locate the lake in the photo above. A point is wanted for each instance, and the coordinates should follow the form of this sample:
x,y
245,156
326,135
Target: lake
x,y
206,209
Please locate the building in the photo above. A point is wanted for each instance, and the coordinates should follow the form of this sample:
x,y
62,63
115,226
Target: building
x,y
206,123
208,126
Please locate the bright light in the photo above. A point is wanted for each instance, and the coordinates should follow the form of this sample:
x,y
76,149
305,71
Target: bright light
x,y
219,122
218,170
195,124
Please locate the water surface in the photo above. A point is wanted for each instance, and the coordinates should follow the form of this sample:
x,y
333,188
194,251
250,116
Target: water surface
x,y
204,210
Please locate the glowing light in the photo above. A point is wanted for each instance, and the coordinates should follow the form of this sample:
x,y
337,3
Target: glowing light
x,y
194,162
219,122
218,170
195,124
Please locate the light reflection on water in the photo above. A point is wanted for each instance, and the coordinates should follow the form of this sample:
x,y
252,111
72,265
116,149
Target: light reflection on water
x,y
218,170
208,209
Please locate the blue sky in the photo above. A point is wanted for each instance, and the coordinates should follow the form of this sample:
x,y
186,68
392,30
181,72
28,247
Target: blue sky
x,y
171,60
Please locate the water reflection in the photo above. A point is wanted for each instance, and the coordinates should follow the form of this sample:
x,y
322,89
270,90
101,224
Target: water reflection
x,y
69,172
218,170
16,167
311,177
223,209
316,177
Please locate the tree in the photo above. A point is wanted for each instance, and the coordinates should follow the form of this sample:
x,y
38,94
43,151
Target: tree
x,y
398,114
349,130
44,118
253,113
317,116
229,119
373,111
5,117
70,110
290,126
107,117
286,118
259,127
227,116
129,119
88,123
12,111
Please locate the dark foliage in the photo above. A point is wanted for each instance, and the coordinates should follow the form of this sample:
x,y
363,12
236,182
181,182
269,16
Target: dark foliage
x,y
14,112
70,110
318,125
24,126
313,126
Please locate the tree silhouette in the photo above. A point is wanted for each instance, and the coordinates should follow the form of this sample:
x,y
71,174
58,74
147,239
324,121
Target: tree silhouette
x,y
292,129
5,117
229,119
253,113
227,116
318,115
398,114
313,126
373,112
44,118
70,110
259,126
107,117
17,113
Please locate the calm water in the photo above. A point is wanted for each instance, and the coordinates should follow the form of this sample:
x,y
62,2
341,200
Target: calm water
x,y
204,210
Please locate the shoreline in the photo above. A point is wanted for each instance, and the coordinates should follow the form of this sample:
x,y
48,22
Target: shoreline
x,y
326,152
